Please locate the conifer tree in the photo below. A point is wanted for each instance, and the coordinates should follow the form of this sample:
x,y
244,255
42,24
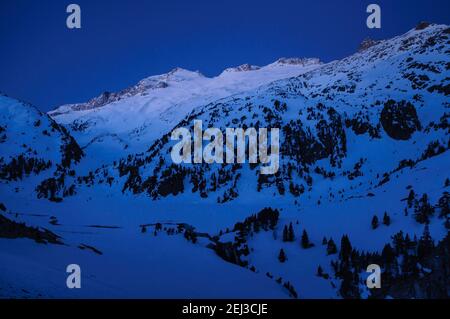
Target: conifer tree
x,y
423,210
375,222
285,234
398,241
291,234
386,219
331,247
282,256
425,245
444,205
346,248
319,271
305,240
388,254
411,198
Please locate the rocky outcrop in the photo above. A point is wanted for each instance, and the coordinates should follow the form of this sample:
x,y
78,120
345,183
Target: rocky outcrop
x,y
366,44
11,229
399,119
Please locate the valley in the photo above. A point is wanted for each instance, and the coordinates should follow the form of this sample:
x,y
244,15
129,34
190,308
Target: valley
x,y
362,137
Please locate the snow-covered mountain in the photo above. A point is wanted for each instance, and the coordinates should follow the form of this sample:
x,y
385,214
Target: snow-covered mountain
x,y
129,120
390,98
363,179
36,148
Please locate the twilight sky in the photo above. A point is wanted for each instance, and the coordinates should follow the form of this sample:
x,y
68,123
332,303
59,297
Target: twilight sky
x,y
123,41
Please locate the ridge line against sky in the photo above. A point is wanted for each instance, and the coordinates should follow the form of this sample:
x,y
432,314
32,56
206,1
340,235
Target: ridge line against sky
x,y
122,42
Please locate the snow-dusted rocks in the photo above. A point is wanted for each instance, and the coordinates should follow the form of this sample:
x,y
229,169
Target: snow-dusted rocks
x,y
243,68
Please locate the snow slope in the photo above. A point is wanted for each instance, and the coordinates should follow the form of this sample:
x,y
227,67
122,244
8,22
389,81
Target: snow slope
x,y
357,135
130,120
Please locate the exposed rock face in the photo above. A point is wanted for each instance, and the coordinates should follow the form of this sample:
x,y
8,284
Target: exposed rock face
x,y
11,229
367,43
422,25
399,119
243,68
298,61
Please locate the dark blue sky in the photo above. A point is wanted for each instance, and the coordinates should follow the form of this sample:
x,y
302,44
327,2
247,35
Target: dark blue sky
x,y
121,42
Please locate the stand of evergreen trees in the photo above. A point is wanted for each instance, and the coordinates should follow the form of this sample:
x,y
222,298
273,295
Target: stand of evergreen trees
x,y
411,268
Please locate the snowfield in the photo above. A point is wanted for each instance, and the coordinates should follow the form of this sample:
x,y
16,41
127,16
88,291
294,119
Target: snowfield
x,y
360,137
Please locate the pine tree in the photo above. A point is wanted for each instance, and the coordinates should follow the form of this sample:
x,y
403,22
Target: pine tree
x,y
291,234
291,289
444,205
425,245
399,243
423,210
305,240
375,222
386,219
350,285
409,264
319,271
346,248
285,234
331,247
388,254
282,256
411,198
324,241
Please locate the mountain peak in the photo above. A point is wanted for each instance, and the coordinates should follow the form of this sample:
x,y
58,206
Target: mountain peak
x,y
179,70
422,25
243,68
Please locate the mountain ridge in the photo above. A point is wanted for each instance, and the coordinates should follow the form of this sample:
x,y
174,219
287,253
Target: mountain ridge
x,y
363,179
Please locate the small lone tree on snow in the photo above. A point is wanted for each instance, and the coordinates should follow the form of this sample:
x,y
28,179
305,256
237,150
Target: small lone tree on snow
x,y
291,234
285,234
319,271
386,219
305,240
282,256
375,222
